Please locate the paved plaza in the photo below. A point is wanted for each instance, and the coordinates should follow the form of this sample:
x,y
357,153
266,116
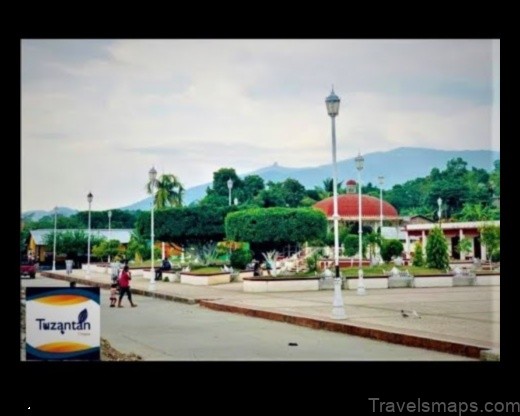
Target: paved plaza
x,y
464,321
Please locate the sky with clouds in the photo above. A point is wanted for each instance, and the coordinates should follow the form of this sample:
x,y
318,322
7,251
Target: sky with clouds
x,y
96,115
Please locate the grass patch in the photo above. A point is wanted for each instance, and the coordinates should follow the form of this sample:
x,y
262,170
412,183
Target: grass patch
x,y
385,270
144,264
206,270
299,274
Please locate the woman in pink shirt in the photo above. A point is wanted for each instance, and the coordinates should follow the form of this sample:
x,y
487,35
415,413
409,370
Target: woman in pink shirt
x,y
124,287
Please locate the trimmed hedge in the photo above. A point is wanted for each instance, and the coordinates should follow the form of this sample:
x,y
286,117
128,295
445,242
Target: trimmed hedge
x,y
186,225
276,225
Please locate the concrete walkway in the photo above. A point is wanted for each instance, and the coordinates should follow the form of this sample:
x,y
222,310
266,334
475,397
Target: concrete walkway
x,y
458,320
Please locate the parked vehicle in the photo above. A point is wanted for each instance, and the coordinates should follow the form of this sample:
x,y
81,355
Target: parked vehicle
x,y
28,268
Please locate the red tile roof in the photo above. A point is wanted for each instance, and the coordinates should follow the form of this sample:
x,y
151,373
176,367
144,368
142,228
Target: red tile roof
x,y
348,207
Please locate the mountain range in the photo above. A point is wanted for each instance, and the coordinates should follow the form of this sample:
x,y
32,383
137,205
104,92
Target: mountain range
x,y
397,166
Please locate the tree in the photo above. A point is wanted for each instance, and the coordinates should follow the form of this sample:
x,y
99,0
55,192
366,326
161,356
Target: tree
x,y
437,250
252,186
169,191
99,219
218,193
273,196
370,189
418,259
73,243
138,248
293,192
186,225
456,185
272,228
351,244
464,246
373,240
288,193
391,248
106,248
490,237
327,189
495,178
477,212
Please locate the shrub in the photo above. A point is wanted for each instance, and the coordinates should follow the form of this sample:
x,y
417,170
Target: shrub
x,y
391,248
464,246
312,262
418,259
351,244
240,259
437,250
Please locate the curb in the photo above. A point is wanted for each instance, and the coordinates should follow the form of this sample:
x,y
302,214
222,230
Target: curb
x,y
142,292
449,347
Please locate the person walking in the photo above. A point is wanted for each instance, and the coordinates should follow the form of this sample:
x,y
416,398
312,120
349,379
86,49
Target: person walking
x,y
124,287
113,294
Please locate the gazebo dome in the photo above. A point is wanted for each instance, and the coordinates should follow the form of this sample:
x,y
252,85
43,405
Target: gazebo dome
x,y
348,208
351,182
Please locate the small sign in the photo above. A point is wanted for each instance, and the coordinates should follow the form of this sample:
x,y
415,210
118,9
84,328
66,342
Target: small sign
x,y
62,323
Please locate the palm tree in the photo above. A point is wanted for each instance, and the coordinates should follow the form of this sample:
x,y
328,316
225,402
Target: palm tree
x,y
169,191
327,189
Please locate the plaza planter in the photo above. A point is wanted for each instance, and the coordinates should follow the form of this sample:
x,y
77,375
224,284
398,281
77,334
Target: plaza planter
x,y
464,280
280,284
433,281
400,281
370,283
172,276
205,279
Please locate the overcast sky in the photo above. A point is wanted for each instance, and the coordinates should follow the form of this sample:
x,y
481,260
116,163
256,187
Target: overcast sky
x,y
96,115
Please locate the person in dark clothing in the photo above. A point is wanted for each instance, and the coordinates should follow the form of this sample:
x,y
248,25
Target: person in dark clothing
x,y
256,269
164,266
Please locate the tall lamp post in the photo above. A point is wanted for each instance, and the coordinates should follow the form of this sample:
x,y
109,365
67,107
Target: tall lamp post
x,y
89,199
381,181
152,174
338,311
361,284
230,186
109,233
54,246
439,212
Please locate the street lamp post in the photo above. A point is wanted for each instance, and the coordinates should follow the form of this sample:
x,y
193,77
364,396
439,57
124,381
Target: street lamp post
x,y
361,284
439,212
381,181
89,199
109,234
54,246
230,186
152,176
338,311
